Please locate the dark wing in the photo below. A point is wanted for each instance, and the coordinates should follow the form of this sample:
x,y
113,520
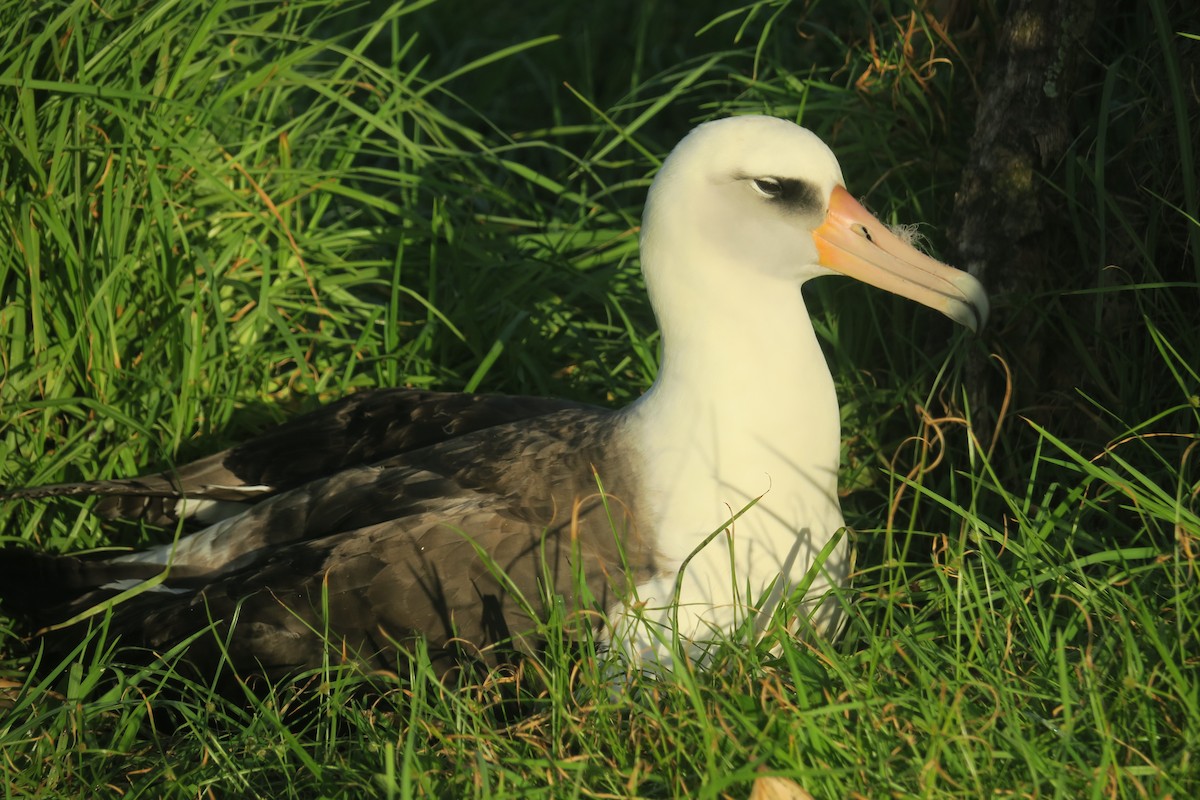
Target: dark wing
x,y
360,429
461,545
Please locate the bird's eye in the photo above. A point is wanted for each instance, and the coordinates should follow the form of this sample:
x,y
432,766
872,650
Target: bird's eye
x,y
769,188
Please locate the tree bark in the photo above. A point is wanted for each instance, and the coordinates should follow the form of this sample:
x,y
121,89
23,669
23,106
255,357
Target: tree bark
x,y
1007,219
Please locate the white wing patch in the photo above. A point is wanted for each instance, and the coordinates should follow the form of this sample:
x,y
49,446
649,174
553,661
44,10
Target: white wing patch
x,y
133,583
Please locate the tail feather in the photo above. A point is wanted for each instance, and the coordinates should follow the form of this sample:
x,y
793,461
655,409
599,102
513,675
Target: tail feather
x,y
151,497
149,486
155,499
45,588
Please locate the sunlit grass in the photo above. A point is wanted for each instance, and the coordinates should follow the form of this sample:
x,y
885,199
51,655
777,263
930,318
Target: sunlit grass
x,y
212,216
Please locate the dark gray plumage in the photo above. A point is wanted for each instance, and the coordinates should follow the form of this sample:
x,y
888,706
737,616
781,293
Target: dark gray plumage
x,y
359,429
329,560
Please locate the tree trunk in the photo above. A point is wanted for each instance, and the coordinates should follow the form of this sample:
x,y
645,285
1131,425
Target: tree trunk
x,y
1008,220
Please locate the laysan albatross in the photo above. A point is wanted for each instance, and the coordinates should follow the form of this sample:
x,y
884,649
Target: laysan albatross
x,y
399,515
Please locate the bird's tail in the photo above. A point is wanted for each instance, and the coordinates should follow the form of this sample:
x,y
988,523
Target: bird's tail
x,y
152,497
46,588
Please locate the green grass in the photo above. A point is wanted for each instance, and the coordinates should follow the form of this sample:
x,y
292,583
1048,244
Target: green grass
x,y
215,215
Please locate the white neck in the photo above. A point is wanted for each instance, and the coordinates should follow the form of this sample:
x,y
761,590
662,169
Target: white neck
x,y
744,401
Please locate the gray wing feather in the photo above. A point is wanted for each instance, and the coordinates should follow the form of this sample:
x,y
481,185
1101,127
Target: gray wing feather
x,y
461,544
360,429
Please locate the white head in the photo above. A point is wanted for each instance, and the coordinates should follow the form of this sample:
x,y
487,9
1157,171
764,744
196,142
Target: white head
x,y
765,197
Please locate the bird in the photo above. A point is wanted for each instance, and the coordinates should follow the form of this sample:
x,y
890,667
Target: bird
x,y
399,519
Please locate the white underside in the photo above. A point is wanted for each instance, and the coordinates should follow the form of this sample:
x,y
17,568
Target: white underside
x,y
786,516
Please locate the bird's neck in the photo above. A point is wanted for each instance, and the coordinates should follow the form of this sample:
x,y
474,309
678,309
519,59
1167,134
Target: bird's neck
x,y
743,407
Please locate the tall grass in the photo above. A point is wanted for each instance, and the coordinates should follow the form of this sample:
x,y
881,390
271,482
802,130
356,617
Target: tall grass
x,y
212,216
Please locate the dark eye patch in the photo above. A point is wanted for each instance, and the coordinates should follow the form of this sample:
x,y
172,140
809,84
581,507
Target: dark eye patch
x,y
795,195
